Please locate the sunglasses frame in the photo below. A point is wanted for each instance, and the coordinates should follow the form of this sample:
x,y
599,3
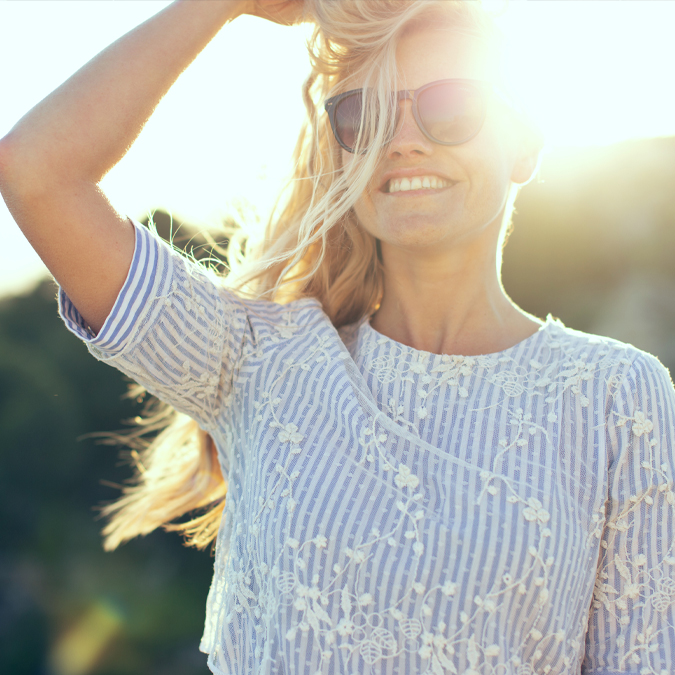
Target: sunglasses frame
x,y
483,86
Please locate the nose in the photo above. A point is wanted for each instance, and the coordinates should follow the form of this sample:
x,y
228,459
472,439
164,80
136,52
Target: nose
x,y
408,139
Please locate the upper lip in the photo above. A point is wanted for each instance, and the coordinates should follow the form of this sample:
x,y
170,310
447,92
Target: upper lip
x,y
408,173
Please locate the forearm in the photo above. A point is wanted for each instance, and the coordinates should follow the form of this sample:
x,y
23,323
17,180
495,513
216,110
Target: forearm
x,y
85,126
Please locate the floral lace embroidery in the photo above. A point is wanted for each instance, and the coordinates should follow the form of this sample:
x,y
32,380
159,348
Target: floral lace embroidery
x,y
376,636
507,514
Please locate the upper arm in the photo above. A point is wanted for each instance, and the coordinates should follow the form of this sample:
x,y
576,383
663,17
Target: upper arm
x,y
173,329
631,623
84,242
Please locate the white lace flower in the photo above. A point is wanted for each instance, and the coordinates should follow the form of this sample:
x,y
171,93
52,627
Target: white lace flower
x,y
366,599
427,638
492,650
425,651
405,478
290,435
633,591
345,627
535,512
641,425
449,588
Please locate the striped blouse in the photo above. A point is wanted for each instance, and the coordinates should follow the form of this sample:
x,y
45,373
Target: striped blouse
x,y
391,510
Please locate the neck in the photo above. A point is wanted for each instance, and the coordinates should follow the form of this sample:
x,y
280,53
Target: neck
x,y
449,302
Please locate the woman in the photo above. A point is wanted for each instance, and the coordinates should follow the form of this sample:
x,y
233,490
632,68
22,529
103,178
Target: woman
x,y
421,477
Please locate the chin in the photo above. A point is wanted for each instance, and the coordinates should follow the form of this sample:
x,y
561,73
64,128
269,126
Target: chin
x,y
417,238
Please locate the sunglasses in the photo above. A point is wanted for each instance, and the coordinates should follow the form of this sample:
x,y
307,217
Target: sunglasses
x,y
448,112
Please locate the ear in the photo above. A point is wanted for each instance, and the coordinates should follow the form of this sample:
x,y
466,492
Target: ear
x,y
528,154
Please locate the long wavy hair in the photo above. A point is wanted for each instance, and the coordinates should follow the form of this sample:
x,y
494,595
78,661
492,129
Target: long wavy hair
x,y
313,244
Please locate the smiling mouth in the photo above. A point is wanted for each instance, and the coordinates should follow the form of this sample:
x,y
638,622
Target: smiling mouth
x,y
414,183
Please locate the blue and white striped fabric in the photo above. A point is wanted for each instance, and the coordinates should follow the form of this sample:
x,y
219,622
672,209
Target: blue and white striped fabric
x,y
395,511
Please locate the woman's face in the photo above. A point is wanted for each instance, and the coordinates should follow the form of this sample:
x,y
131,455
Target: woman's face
x,y
478,173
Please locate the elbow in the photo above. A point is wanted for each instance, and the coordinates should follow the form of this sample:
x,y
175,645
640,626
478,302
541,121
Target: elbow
x,y
21,174
8,163
4,154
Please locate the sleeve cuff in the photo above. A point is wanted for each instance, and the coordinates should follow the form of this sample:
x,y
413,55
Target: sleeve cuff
x,y
149,256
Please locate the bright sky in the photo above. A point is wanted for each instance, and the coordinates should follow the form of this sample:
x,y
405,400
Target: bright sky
x,y
592,73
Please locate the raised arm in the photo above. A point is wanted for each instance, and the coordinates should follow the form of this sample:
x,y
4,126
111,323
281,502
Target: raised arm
x,y
53,159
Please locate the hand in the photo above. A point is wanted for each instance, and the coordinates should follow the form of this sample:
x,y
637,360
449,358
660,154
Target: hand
x,y
283,12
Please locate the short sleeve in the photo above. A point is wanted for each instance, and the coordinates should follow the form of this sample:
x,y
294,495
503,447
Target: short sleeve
x,y
174,329
631,626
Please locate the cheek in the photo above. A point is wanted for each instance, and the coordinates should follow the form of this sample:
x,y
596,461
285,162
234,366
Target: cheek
x,y
365,214
490,167
363,207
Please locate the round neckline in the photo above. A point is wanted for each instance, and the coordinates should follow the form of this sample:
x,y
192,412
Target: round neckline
x,y
380,338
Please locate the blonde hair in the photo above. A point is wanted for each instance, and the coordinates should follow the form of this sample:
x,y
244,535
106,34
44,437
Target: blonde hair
x,y
313,244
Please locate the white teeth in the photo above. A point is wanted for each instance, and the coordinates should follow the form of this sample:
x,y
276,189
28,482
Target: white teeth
x,y
416,183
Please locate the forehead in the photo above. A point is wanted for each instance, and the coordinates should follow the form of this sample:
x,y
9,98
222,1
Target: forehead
x,y
427,54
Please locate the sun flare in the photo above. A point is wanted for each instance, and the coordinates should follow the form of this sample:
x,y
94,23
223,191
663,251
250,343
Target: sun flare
x,y
592,73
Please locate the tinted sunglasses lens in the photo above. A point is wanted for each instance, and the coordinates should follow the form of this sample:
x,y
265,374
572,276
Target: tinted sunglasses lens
x,y
348,114
348,119
451,112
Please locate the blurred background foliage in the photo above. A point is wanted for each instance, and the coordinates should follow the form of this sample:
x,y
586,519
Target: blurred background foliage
x,y
592,244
